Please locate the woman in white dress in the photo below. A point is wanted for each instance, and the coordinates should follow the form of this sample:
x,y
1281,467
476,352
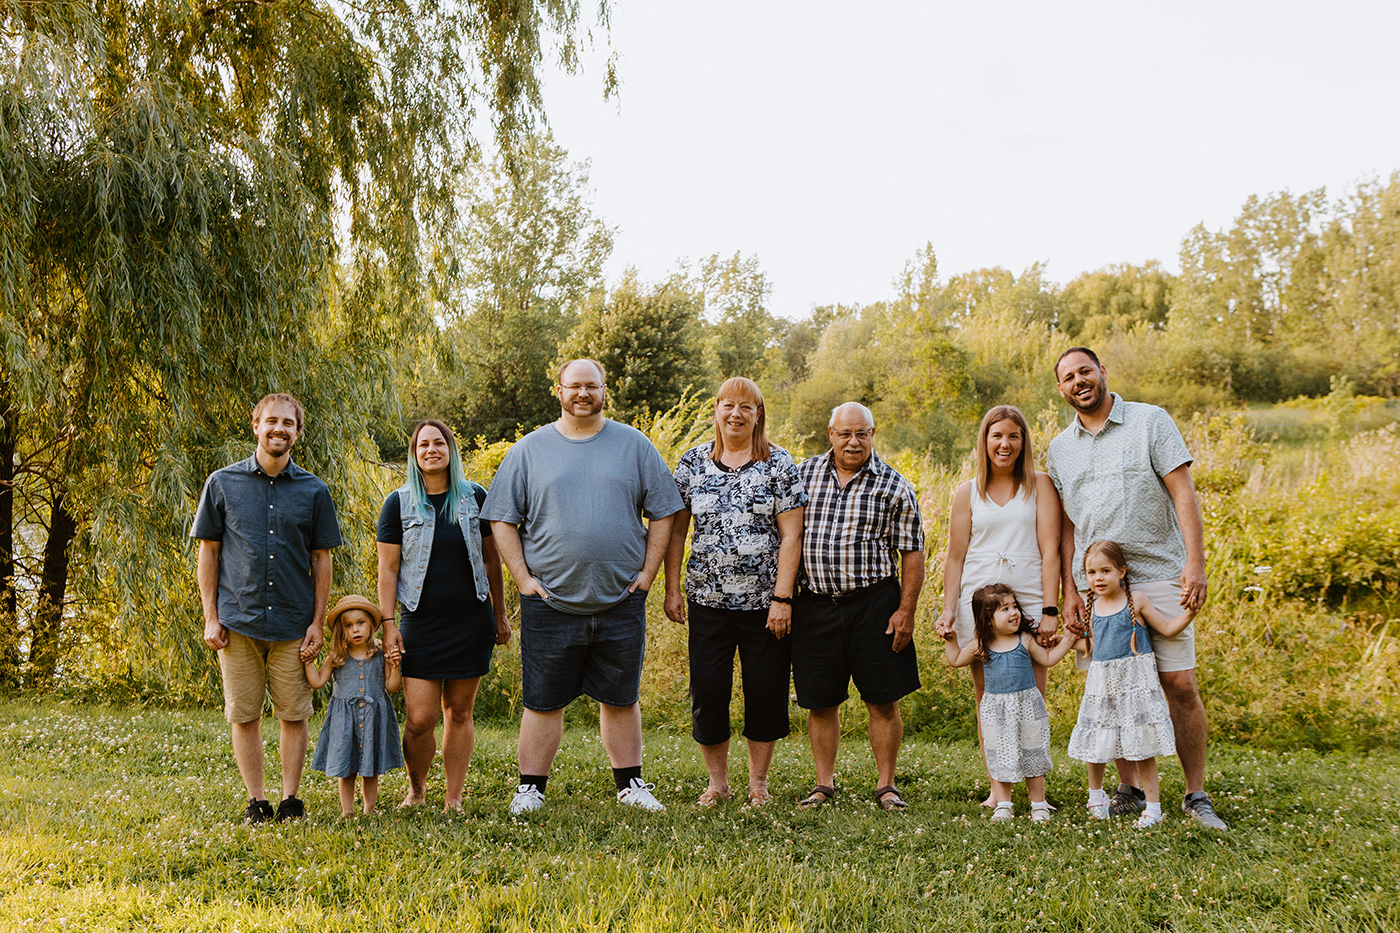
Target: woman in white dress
x,y
1005,528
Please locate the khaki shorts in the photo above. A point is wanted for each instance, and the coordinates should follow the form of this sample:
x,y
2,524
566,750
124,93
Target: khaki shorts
x,y
253,668
1177,653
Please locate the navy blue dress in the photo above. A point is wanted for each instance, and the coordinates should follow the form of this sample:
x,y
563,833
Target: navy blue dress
x,y
361,733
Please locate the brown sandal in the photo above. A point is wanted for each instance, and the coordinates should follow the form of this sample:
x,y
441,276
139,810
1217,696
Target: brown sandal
x,y
887,798
819,795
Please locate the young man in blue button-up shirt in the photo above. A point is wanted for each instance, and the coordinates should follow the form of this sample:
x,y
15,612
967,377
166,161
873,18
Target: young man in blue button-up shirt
x,y
266,528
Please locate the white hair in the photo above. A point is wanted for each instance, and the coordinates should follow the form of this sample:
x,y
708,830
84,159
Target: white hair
x,y
831,423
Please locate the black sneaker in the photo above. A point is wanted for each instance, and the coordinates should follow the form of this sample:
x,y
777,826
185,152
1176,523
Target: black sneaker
x,y
291,808
1197,805
257,811
1127,800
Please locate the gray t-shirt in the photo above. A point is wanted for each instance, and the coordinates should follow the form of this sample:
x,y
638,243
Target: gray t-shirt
x,y
1111,486
579,505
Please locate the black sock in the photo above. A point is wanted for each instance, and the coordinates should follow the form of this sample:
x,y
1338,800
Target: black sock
x,y
538,781
623,776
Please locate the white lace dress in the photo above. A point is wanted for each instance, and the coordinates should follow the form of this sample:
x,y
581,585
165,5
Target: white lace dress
x,y
1124,712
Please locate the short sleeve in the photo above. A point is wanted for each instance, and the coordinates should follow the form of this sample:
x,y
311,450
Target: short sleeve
x,y
479,492
685,475
390,529
506,500
659,495
209,514
325,527
907,526
788,491
1168,448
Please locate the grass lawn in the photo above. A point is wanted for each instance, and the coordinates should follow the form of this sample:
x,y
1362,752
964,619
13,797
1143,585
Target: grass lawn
x,y
129,820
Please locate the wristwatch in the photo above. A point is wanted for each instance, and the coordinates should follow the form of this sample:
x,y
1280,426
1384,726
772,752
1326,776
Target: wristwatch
x,y
1050,611
786,600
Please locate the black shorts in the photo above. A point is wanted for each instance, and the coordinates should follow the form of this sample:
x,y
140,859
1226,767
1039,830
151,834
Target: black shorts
x,y
764,661
834,643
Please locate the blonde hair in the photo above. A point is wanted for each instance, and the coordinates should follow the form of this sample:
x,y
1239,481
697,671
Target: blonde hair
x,y
339,648
1023,470
742,389
1113,552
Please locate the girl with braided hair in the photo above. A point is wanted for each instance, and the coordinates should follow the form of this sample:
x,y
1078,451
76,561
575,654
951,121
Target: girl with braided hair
x,y
1123,717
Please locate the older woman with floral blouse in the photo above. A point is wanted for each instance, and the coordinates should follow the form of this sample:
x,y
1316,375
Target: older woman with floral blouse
x,y
747,500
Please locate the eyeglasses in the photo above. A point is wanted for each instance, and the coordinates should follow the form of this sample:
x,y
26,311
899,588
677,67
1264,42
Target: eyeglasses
x,y
859,435
582,387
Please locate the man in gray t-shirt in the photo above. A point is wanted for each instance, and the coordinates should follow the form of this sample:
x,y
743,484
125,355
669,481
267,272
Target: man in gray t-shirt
x,y
566,509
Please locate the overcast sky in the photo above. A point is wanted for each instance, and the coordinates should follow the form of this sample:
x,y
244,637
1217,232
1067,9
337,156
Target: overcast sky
x,y
832,140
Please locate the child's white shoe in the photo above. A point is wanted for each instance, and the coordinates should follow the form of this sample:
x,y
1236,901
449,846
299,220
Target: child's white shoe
x,y
1148,819
1040,811
1098,811
1002,813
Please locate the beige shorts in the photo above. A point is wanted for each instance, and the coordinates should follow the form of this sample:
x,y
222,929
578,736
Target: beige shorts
x,y
1177,653
253,668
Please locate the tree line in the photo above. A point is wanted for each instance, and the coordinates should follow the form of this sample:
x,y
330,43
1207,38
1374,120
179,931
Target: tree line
x,y
205,202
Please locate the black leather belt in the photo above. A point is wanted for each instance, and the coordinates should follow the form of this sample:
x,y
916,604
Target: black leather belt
x,y
853,594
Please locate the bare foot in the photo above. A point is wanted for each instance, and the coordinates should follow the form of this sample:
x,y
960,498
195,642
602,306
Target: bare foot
x,y
414,800
452,806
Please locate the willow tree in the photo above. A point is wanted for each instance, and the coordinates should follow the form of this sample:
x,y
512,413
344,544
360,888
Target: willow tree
x,y
201,202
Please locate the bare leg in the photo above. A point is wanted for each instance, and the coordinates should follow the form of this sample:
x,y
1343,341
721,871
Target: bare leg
x,y
346,787
248,755
1188,724
979,687
1096,770
458,736
1127,772
1000,790
421,700
886,734
540,734
1035,788
291,746
760,759
621,731
1147,773
824,732
371,788
717,765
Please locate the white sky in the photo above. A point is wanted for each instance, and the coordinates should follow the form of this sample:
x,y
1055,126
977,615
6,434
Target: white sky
x,y
832,140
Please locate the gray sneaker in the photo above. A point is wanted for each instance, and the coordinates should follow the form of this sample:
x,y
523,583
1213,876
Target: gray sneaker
x,y
1198,806
1126,801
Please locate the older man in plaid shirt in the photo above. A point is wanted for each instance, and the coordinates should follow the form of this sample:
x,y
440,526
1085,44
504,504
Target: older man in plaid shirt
x,y
863,568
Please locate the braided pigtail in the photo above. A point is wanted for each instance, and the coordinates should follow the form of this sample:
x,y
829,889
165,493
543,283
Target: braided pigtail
x,y
1132,612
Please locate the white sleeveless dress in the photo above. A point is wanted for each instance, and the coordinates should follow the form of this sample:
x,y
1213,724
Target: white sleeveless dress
x,y
1002,549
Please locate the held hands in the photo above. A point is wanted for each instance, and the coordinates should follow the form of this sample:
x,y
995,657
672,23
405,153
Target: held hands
x,y
311,644
393,639
944,625
1045,635
1075,619
1193,587
502,630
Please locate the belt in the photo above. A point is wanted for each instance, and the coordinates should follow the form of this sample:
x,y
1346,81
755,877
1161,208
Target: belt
x,y
851,594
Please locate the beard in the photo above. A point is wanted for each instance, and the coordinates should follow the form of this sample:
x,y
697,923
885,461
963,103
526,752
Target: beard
x,y
1095,398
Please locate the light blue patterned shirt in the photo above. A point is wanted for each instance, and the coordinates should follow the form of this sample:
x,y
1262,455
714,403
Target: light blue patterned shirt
x,y
1111,486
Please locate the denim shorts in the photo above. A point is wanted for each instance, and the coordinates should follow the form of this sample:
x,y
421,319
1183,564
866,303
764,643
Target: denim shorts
x,y
564,656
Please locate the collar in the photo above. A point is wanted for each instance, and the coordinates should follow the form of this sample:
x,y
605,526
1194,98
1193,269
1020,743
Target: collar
x,y
1115,414
251,465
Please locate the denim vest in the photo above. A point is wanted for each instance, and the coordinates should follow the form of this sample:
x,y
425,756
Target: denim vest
x,y
417,547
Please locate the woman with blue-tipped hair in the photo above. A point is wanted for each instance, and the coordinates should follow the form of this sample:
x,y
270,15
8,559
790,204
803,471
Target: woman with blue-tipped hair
x,y
437,561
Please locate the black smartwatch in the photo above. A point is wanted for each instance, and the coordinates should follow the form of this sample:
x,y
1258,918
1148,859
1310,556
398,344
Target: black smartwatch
x,y
1050,611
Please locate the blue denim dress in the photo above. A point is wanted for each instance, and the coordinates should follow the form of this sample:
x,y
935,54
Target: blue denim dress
x,y
361,733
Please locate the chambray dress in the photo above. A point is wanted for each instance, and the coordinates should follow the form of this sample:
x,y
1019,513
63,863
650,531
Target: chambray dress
x,y
1015,724
361,733
1123,713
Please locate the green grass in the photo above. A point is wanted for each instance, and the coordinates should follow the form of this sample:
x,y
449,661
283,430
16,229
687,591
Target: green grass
x,y
118,819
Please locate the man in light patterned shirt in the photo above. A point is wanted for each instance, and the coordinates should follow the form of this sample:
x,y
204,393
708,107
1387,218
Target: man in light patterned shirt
x,y
862,570
1124,474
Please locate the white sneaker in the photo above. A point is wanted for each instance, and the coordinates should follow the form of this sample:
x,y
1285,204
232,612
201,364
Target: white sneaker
x,y
638,794
528,798
1098,811
1040,812
1147,819
1002,813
